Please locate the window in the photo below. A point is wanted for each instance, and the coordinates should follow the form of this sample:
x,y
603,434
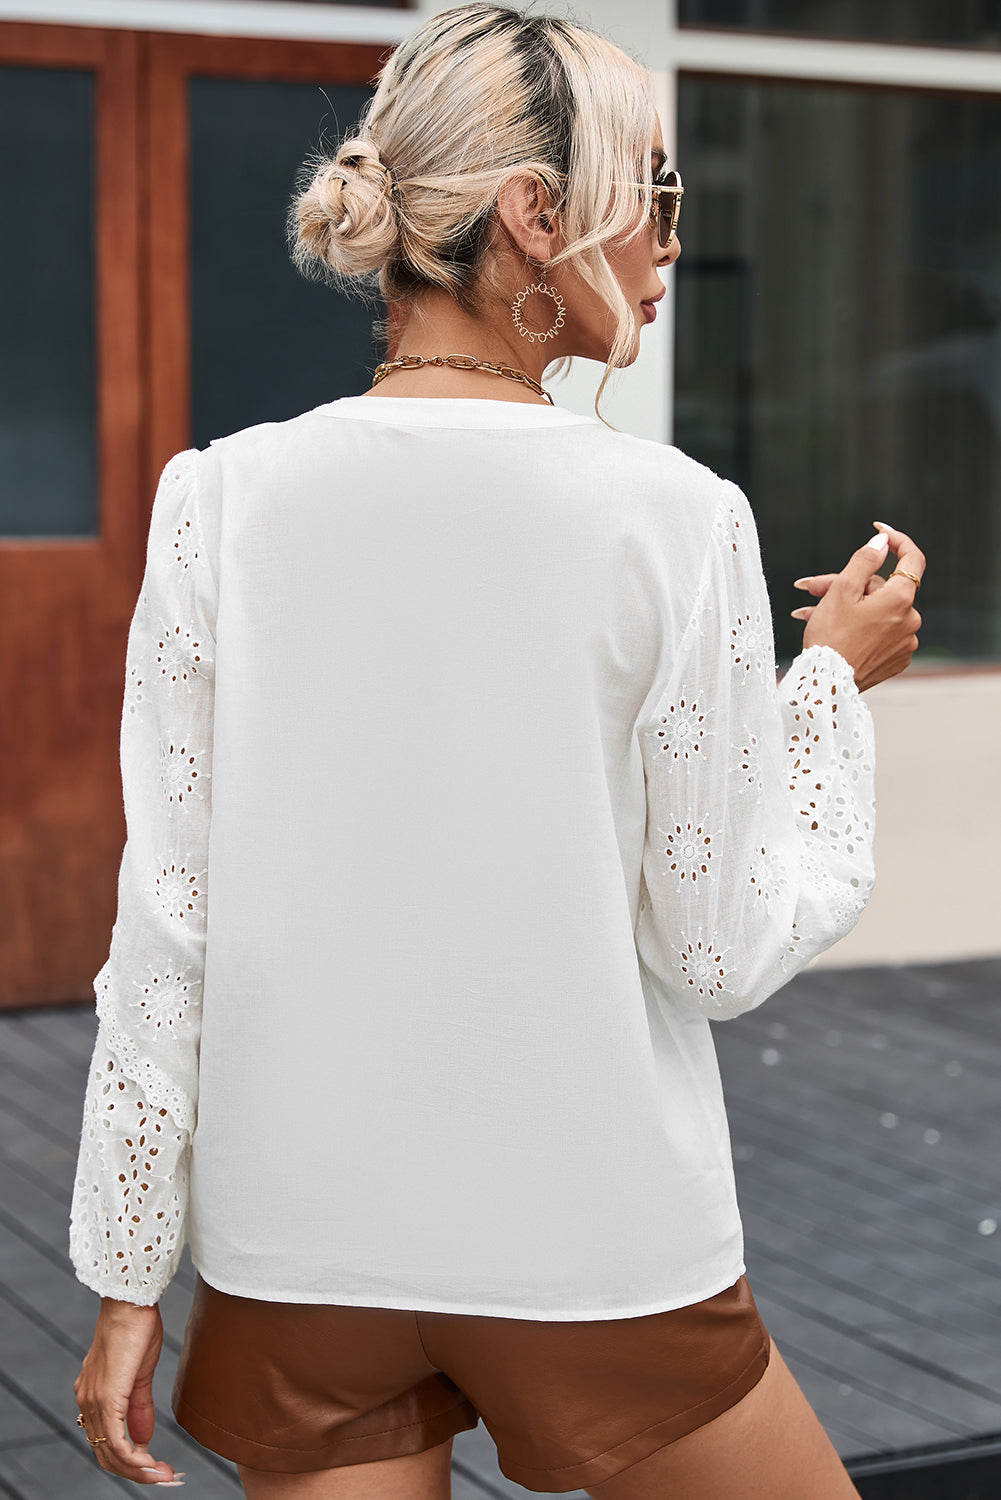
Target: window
x,y
48,440
968,23
266,343
839,330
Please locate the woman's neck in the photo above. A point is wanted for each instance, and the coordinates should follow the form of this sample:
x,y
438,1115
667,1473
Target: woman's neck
x,y
438,326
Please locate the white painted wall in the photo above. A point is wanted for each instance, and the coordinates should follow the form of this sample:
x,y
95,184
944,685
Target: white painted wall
x,y
938,839
938,822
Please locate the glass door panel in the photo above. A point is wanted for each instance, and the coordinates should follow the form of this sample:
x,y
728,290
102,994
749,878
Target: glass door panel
x,y
266,343
48,429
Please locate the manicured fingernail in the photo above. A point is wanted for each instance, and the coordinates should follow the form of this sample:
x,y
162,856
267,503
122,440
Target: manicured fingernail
x,y
878,543
151,1471
801,583
169,1484
883,523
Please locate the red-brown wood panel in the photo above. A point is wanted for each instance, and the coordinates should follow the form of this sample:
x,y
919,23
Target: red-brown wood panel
x,y
173,59
65,603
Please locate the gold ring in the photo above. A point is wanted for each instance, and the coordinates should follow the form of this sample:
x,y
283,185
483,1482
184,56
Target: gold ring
x,y
903,573
81,1421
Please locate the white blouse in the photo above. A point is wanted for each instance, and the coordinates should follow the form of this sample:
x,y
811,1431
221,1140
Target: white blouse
x,y
460,798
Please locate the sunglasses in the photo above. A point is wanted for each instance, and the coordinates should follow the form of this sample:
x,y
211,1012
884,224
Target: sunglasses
x,y
665,208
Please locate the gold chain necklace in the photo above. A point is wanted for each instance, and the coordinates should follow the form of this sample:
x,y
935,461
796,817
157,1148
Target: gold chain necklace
x,y
458,362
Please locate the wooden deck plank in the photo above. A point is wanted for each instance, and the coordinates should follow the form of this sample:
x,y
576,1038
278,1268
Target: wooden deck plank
x,y
53,1106
42,1355
827,1190
68,1029
945,1381
39,1471
959,1005
861,1240
896,1149
953,1108
960,998
854,1118
931,1305
918,1033
19,1422
851,1408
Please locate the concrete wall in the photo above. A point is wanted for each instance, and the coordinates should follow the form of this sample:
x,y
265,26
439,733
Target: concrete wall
x,y
938,822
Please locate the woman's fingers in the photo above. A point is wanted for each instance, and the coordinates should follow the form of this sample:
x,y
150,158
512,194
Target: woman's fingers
x,y
114,1391
856,575
861,571
117,1455
817,585
870,620
826,579
910,558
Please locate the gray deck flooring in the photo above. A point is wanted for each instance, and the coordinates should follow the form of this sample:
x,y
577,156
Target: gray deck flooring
x,y
867,1140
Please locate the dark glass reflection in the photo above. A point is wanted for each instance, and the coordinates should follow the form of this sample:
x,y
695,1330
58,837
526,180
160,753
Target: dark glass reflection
x,y
266,343
966,23
839,332
386,4
48,442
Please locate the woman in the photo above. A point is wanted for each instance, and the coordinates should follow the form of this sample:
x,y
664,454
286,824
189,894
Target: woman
x,y
505,808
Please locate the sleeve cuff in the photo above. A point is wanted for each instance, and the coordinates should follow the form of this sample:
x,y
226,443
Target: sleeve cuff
x,y
824,659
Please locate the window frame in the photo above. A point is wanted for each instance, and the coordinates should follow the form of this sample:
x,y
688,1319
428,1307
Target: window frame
x,y
767,57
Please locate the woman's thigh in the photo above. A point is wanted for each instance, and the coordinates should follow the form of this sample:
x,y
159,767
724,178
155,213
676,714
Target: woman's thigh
x,y
770,1446
417,1476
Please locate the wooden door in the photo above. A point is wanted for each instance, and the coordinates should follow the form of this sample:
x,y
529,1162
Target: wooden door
x,y
71,539
237,336
126,164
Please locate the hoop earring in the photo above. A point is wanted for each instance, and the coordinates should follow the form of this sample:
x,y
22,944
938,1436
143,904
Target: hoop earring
x,y
547,291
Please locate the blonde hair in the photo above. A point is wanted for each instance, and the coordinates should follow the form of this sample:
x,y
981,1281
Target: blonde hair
x,y
475,95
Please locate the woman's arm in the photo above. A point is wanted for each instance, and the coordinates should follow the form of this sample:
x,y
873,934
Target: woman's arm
x,y
127,1221
761,811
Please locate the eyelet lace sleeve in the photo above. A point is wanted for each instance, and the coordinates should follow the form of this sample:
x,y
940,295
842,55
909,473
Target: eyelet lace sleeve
x,y
127,1221
760,798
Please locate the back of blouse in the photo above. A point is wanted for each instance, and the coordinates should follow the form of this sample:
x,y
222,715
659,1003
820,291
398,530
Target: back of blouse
x,y
460,797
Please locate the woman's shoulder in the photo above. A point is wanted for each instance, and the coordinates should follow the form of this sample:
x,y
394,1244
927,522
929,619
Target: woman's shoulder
x,y
664,476
642,473
262,435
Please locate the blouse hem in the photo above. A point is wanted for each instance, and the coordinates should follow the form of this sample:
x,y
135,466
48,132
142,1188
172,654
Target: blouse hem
x,y
717,1284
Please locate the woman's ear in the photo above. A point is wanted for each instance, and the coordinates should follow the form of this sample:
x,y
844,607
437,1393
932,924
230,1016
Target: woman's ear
x,y
523,208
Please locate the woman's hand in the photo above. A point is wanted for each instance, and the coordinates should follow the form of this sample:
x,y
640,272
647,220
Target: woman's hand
x,y
114,1390
870,621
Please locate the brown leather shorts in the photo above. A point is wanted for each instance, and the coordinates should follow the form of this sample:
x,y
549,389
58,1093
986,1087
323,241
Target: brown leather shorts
x,y
291,1387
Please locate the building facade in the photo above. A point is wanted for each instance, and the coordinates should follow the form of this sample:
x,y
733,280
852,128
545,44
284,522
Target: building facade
x,y
832,342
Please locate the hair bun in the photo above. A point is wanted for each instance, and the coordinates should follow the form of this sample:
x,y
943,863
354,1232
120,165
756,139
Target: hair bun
x,y
346,217
363,156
